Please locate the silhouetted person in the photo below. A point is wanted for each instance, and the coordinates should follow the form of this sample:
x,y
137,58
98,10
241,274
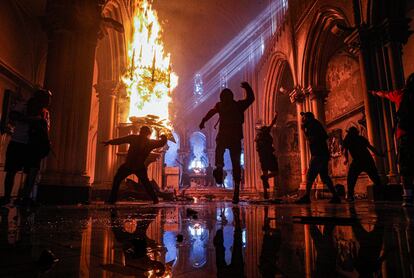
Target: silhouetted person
x,y
140,146
236,267
29,143
404,102
209,175
316,136
362,160
326,251
267,157
230,133
270,247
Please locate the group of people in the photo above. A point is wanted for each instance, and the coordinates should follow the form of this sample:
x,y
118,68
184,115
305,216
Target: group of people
x,y
28,145
230,134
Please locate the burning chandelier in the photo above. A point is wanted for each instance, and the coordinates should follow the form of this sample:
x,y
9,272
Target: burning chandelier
x,y
149,80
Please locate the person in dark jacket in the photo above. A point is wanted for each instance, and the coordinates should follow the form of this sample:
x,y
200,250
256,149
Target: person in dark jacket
x,y
230,133
29,144
316,136
140,147
362,160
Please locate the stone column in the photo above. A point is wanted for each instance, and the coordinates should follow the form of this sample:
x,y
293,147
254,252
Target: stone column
x,y
317,98
396,34
106,91
72,28
358,42
298,98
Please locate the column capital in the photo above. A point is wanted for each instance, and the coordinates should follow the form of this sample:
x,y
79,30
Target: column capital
x,y
107,88
297,95
317,92
77,17
390,30
395,30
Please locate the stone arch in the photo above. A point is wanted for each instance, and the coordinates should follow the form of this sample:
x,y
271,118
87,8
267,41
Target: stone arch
x,y
278,64
315,59
285,134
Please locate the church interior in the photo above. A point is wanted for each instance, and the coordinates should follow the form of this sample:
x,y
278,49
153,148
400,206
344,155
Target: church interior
x,y
232,138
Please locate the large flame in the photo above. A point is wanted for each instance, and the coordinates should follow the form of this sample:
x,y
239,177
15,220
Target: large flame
x,y
149,80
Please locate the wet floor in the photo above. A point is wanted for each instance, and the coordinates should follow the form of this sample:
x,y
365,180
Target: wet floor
x,y
214,239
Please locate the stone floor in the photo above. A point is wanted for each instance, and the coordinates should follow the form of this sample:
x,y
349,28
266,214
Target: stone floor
x,y
211,239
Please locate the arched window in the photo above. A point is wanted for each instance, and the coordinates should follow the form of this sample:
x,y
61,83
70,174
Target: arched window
x,y
199,159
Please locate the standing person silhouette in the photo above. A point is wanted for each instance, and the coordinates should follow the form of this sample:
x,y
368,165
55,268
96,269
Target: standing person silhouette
x,y
268,160
318,165
29,143
230,133
140,146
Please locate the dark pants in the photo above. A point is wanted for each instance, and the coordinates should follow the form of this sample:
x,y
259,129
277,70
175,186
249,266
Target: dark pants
x,y
319,166
122,173
234,147
356,168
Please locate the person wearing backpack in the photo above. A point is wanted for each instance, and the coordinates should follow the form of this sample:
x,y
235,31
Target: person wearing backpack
x,y
404,102
230,133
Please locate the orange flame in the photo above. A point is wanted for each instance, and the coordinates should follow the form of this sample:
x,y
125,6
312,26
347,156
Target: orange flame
x,y
149,80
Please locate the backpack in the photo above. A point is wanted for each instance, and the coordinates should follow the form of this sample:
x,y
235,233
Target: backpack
x,y
405,113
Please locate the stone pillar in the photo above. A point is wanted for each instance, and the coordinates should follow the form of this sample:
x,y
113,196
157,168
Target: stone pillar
x,y
317,98
396,33
298,98
106,91
358,42
72,28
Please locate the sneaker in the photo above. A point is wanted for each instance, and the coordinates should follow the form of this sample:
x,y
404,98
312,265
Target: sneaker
x,y
218,175
303,200
335,200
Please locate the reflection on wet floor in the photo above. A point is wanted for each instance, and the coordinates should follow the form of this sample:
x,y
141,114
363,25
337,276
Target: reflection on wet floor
x,y
213,239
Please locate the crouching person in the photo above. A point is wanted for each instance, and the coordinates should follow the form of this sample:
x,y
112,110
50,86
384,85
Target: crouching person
x,y
140,146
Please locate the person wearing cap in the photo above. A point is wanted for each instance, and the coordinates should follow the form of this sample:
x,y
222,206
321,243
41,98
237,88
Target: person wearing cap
x,y
29,144
362,161
316,136
230,133
404,102
140,147
265,150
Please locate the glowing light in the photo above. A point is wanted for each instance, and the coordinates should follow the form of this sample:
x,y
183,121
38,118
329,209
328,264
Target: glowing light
x,y
149,80
244,49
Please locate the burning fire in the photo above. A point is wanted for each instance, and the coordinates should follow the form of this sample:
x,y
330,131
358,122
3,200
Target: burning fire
x,y
149,80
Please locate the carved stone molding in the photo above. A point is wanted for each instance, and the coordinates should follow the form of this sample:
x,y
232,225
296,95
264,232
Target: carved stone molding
x,y
297,95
